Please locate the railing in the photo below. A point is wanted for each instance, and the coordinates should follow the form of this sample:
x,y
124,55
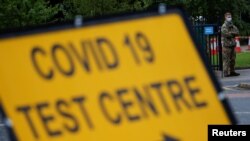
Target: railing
x,y
211,44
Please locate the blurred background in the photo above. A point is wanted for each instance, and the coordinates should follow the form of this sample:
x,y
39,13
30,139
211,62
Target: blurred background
x,y
23,13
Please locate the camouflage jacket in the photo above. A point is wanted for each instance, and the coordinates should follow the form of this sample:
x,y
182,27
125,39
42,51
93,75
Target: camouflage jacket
x,y
228,32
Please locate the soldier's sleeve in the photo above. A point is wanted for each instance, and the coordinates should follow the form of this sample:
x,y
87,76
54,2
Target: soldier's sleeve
x,y
236,31
225,32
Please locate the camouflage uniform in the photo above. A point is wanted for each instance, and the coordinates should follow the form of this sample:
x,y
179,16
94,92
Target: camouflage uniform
x,y
229,31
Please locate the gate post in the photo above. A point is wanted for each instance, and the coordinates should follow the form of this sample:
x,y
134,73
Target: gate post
x,y
220,52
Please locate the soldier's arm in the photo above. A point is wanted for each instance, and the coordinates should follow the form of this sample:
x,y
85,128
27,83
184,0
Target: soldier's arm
x,y
225,32
235,31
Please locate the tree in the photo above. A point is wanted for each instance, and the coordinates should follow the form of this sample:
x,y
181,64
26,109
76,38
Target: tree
x,y
212,11
93,8
20,13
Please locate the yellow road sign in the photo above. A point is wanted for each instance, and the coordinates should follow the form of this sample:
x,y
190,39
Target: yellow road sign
x,y
129,80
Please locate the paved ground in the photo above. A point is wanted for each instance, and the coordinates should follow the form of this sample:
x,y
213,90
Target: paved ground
x,y
239,98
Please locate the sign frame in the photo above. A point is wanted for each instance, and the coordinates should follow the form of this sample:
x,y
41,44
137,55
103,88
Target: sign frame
x,y
128,17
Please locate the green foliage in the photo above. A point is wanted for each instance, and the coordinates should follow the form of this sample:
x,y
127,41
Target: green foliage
x,y
213,11
21,13
92,8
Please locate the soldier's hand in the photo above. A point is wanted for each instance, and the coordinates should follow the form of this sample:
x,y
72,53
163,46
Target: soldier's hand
x,y
233,33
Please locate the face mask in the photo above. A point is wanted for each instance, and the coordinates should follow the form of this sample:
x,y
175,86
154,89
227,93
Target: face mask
x,y
229,19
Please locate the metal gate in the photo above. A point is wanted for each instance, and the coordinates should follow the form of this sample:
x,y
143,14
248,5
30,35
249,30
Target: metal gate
x,y
209,37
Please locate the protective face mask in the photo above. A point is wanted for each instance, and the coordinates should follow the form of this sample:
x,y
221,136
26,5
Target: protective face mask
x,y
229,19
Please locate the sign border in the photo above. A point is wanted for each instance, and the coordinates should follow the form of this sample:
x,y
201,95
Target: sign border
x,y
128,17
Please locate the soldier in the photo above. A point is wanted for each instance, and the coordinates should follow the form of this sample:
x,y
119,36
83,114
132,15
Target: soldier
x,y
229,31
